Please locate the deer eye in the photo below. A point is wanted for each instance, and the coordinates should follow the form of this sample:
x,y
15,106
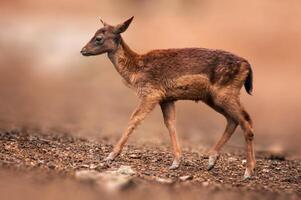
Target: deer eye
x,y
99,40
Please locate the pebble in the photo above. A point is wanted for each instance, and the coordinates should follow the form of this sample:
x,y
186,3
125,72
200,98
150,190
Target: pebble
x,y
186,178
163,180
99,166
134,156
126,170
87,175
278,168
111,180
51,166
84,166
93,166
232,159
205,183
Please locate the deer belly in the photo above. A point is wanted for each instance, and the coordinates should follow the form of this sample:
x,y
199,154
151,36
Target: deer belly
x,y
189,87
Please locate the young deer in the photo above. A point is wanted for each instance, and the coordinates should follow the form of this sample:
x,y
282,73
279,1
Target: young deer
x,y
165,76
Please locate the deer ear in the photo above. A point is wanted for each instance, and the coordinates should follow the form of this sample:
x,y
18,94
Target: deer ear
x,y
120,28
103,23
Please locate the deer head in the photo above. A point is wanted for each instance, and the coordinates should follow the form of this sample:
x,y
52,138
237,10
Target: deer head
x,y
106,39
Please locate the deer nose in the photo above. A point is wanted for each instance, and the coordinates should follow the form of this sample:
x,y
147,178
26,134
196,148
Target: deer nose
x,y
84,50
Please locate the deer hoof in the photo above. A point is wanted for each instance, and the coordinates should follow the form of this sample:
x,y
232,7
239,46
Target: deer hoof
x,y
248,174
110,157
175,165
212,161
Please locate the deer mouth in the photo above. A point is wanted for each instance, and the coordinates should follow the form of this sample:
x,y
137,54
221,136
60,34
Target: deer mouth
x,y
85,53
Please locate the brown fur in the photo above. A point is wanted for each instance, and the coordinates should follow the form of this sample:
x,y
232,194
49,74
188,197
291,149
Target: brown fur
x,y
165,76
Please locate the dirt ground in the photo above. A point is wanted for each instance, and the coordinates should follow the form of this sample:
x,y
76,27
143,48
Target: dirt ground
x,y
35,166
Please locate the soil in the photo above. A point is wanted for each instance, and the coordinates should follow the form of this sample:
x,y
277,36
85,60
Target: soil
x,y
49,162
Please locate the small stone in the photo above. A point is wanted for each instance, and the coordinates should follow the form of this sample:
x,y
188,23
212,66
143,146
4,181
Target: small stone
x,y
278,168
93,166
100,166
41,162
244,161
163,180
134,156
186,178
51,166
84,166
87,175
126,170
265,170
232,159
113,181
205,183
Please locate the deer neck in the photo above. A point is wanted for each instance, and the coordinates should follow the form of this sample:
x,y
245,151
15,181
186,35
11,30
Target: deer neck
x,y
124,60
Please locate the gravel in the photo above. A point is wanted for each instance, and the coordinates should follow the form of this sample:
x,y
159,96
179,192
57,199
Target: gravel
x,y
63,155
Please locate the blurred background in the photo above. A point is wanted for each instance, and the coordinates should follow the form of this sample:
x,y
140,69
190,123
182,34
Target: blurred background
x,y
47,86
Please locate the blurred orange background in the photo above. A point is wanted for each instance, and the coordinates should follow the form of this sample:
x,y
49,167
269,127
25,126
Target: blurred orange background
x,y
47,86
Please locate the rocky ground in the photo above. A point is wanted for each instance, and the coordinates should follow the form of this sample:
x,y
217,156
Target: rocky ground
x,y
61,166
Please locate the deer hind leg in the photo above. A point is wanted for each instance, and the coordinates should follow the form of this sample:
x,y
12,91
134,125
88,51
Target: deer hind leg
x,y
145,107
169,115
245,122
246,125
215,150
235,114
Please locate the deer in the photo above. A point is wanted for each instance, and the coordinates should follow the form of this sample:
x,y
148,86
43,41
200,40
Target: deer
x,y
162,77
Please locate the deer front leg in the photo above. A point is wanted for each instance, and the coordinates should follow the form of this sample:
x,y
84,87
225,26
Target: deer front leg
x,y
169,114
145,106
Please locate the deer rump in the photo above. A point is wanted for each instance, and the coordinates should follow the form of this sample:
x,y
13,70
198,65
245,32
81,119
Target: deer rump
x,y
219,67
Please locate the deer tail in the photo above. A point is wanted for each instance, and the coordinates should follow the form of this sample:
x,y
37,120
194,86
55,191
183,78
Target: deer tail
x,y
249,81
